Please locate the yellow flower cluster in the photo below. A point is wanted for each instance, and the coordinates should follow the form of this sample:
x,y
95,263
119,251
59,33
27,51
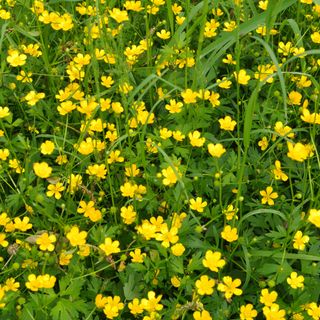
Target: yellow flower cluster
x,y
45,281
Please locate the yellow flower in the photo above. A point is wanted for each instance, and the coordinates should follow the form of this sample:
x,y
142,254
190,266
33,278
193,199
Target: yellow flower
x,y
229,60
189,96
230,287
11,285
64,258
45,241
263,143
76,237
82,60
230,212
227,123
278,173
213,261
66,107
214,99
4,15
87,106
229,234
178,249
84,250
313,310
314,217
109,247
47,147
299,240
242,77
197,204
100,301
152,303
42,169
132,170
273,312
97,170
210,28
22,225
295,98
229,26
118,108
128,214
195,139
216,150
180,20
202,315
298,151
128,189
74,182
4,243
55,189
295,281
135,306
107,81
114,156
46,281
15,164
268,298
163,34
205,285
310,117
4,154
303,82
264,71
133,5
263,4
170,176
283,130
173,106
165,133
4,112
167,236
315,37
15,58
268,195
285,49
224,83
32,283
178,136
24,77
33,97
137,256
247,312
112,307
175,281
119,15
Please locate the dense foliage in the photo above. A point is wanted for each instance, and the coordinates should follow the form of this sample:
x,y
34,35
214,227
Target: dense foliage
x,y
159,159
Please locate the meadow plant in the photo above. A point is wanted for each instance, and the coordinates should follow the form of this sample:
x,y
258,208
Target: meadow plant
x,y
159,159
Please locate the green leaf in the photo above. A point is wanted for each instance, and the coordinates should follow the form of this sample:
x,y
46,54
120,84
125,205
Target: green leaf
x,y
130,288
68,310
280,255
176,265
73,289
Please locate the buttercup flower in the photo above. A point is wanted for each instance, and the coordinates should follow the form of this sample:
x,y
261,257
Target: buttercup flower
x,y
42,169
205,285
268,195
229,234
230,287
295,281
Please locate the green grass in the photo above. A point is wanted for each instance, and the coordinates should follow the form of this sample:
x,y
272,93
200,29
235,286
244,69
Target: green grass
x,y
165,220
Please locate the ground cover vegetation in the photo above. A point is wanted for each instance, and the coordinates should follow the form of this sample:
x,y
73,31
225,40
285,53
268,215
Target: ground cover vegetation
x,y
159,159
